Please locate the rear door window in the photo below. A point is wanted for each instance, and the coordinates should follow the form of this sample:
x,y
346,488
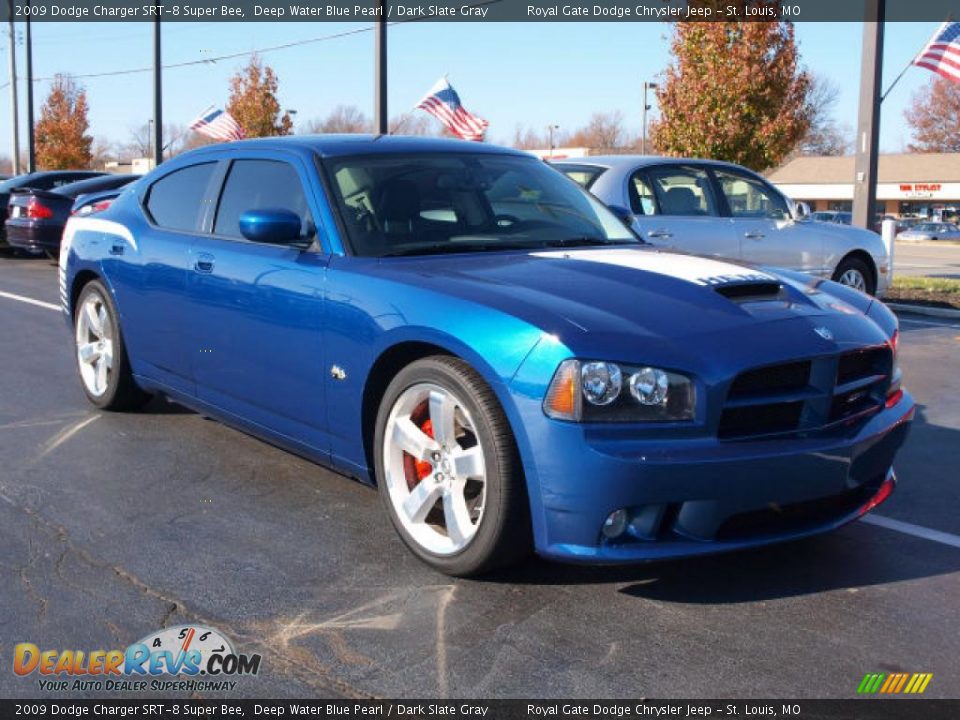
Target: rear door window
x,y
749,197
258,185
682,190
174,201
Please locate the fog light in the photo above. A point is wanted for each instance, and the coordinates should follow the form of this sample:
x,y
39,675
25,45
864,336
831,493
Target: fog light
x,y
615,524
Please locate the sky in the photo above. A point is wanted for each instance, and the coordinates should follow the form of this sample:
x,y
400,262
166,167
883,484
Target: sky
x,y
529,74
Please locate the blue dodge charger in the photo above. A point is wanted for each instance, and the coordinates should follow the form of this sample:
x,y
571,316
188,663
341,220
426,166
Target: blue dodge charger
x,y
468,330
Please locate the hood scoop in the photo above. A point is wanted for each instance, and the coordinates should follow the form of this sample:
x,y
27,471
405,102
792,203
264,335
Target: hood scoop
x,y
754,291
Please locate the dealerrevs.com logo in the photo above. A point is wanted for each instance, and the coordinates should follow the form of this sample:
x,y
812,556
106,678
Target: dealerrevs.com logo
x,y
190,651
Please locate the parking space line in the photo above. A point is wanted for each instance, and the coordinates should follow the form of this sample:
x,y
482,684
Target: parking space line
x,y
29,301
916,530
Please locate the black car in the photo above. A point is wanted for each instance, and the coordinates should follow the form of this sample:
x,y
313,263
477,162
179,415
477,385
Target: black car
x,y
37,217
45,180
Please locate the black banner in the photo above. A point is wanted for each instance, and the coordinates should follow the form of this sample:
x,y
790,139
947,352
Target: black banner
x,y
853,709
468,10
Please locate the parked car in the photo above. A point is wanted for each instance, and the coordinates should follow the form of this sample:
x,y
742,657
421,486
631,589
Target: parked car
x,y
832,216
723,210
488,344
44,180
37,217
931,231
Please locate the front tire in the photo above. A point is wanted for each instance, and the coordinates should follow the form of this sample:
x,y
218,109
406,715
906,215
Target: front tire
x,y
853,272
448,469
102,361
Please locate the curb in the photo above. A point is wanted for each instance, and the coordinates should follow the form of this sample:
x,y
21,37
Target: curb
x,y
936,312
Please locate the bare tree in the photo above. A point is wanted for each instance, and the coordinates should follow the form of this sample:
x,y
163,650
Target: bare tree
x,y
604,130
342,119
825,136
140,144
934,117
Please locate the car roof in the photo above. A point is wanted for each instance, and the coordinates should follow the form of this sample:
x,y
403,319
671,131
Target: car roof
x,y
634,161
357,144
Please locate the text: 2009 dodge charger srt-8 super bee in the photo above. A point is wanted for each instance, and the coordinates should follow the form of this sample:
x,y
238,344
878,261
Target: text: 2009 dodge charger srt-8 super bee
x,y
468,329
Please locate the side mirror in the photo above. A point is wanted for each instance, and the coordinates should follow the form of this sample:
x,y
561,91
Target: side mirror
x,y
623,215
801,210
275,226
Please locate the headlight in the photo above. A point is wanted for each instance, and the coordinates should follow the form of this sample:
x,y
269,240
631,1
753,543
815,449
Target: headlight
x,y
598,392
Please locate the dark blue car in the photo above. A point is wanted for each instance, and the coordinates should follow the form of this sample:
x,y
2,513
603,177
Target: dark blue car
x,y
475,334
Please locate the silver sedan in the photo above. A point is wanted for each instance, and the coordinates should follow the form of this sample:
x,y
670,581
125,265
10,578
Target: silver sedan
x,y
931,231
720,209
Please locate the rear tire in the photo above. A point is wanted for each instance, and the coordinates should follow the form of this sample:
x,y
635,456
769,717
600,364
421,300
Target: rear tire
x,y
854,272
102,362
448,469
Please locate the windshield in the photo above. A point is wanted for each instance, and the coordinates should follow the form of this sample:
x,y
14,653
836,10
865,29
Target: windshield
x,y
927,227
440,203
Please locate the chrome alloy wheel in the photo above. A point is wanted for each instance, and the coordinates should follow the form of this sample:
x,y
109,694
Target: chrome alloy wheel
x,y
434,467
855,279
94,345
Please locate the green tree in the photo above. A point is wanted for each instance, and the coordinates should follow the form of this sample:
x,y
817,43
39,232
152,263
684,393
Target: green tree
x,y
61,135
253,101
734,91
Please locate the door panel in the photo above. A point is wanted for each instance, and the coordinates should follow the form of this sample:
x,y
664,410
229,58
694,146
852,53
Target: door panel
x,y
761,221
259,309
675,207
151,280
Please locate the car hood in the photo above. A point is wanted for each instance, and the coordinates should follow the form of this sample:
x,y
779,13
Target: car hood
x,y
627,292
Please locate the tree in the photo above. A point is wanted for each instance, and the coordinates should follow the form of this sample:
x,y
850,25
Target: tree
x,y
824,136
174,138
734,91
342,119
61,135
603,131
253,101
934,117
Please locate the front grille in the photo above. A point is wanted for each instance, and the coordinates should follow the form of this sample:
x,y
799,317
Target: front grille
x,y
760,419
863,363
792,517
771,379
806,395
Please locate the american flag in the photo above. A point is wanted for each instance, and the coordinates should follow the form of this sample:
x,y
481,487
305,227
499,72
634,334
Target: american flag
x,y
444,104
942,53
218,124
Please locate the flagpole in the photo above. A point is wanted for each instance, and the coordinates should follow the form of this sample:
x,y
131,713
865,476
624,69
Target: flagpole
x,y
914,59
157,97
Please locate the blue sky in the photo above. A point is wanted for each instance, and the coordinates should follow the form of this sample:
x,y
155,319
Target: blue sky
x,y
510,73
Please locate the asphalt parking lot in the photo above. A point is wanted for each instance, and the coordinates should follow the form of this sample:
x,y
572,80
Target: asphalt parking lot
x,y
113,526
929,259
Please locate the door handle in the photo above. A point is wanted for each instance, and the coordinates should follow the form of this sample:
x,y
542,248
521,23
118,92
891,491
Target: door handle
x,y
660,234
204,263
754,235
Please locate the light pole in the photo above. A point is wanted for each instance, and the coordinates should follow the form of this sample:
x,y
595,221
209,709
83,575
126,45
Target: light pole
x,y
550,130
157,96
31,140
646,106
14,125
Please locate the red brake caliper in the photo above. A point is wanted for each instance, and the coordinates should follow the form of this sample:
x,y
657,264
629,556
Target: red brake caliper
x,y
416,470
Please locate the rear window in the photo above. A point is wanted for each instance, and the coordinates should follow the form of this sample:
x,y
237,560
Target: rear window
x,y
95,184
583,175
174,201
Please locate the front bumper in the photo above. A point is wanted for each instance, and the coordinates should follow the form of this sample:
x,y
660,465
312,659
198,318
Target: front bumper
x,y
689,496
